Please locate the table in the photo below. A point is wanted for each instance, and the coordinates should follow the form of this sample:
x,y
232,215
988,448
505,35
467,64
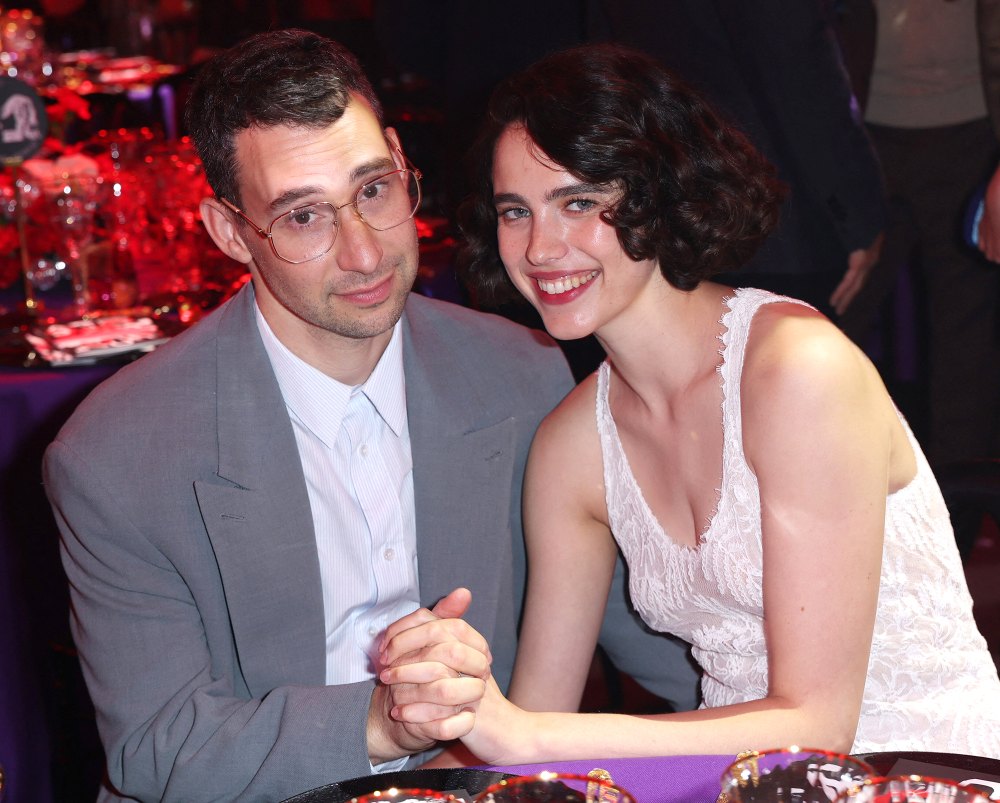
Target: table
x,y
48,744
666,779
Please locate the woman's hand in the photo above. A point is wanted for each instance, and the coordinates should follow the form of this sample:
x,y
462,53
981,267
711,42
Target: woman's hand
x,y
989,224
437,673
433,667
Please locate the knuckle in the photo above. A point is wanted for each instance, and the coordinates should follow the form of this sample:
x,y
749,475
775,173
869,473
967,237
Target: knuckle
x,y
453,653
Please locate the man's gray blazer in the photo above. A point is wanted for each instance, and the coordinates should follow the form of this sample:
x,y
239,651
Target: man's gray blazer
x,y
189,546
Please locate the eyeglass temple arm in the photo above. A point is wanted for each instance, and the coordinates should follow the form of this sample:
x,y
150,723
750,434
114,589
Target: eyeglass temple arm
x,y
406,160
242,214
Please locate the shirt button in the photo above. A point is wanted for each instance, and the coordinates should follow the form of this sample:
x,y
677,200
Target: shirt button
x,y
363,450
389,554
372,630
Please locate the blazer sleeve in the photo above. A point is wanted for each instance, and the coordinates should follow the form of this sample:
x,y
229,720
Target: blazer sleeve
x,y
790,56
176,721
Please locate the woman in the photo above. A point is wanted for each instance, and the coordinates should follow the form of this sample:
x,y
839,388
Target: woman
x,y
772,504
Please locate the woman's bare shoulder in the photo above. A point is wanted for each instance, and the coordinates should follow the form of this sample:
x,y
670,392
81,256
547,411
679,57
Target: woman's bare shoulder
x,y
801,370
795,347
574,416
566,453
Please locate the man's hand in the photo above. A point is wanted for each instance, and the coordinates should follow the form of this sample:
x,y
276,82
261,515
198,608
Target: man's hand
x,y
859,265
989,224
434,667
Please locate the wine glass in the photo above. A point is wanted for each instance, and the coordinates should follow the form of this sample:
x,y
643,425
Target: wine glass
x,y
911,789
792,775
59,226
397,795
555,787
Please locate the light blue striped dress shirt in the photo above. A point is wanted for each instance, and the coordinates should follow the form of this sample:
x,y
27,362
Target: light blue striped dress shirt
x,y
354,444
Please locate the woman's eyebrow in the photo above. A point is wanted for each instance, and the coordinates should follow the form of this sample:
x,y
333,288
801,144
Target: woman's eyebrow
x,y
580,188
507,198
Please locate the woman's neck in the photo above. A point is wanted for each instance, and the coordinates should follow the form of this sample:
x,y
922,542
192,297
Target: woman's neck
x,y
666,341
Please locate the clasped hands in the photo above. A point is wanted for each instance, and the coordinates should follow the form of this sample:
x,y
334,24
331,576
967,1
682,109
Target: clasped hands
x,y
433,672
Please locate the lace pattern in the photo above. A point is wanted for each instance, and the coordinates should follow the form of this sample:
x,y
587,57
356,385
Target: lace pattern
x,y
931,684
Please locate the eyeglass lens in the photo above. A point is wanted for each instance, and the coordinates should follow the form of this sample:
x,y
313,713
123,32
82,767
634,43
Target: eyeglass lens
x,y
310,231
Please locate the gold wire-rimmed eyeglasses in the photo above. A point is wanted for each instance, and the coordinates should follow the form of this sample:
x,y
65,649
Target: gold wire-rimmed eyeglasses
x,y
308,232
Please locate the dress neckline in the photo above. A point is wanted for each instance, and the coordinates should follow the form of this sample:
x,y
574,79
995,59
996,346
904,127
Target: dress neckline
x,y
604,389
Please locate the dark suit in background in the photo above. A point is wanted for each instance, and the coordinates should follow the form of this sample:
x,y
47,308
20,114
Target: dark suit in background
x,y
931,172
773,69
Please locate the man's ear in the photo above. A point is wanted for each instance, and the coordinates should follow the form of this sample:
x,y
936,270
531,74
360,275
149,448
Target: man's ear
x,y
397,149
221,228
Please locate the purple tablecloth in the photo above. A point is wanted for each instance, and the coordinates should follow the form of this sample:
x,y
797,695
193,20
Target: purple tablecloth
x,y
47,741
670,779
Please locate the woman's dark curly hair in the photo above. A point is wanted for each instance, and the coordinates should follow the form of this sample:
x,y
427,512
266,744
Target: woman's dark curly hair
x,y
696,196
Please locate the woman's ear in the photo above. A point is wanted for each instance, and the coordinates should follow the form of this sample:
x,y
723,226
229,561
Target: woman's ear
x,y
223,230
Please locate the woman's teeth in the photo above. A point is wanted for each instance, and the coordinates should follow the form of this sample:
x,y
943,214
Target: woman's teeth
x,y
560,286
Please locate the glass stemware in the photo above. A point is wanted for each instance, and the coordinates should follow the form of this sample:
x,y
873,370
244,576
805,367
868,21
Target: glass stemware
x,y
792,775
58,228
911,789
555,787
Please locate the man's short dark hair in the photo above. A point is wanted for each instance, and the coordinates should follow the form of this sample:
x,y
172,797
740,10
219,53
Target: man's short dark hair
x,y
696,195
287,77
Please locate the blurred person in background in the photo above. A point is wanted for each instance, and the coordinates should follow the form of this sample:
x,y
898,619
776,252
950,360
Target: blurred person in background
x,y
928,74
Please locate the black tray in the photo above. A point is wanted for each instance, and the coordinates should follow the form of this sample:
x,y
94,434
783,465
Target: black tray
x,y
884,762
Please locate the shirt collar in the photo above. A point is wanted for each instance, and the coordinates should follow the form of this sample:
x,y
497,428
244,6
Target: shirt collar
x,y
320,402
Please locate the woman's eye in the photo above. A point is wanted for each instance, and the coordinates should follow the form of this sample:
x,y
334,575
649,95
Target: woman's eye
x,y
581,205
512,213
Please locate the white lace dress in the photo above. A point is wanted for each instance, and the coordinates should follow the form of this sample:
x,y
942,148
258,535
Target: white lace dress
x,y
932,684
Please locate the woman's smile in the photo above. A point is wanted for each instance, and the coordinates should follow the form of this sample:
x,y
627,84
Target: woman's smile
x,y
564,284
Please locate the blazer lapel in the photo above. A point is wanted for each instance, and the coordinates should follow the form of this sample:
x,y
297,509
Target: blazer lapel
x,y
258,517
462,468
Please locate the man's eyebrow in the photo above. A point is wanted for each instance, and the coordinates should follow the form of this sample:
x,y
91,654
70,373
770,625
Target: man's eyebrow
x,y
374,167
383,164
290,197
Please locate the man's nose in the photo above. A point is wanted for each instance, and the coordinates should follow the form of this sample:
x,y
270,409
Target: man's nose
x,y
358,248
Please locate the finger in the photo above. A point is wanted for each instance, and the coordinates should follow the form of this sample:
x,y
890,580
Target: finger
x,y
442,729
849,288
453,693
440,631
840,299
454,605
419,617
435,663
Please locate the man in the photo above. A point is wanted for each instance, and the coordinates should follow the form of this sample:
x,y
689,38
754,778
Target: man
x,y
245,510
